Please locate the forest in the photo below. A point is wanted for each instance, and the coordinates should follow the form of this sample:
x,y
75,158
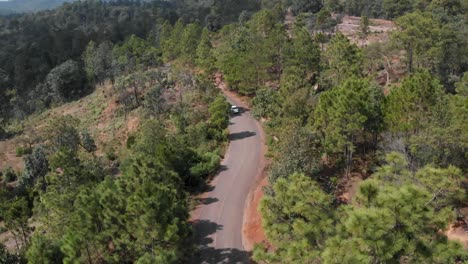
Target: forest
x,y
392,114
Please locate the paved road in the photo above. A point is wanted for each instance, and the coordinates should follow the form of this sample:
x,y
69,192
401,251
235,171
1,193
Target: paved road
x,y
218,224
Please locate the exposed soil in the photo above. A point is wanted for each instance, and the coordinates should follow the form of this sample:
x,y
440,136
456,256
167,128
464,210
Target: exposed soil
x,y
379,30
8,155
253,230
349,187
8,240
459,232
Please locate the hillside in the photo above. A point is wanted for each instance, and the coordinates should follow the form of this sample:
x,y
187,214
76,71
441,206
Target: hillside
x,y
117,145
24,6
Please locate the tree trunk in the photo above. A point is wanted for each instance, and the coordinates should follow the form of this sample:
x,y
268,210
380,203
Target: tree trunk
x,y
135,93
88,254
410,59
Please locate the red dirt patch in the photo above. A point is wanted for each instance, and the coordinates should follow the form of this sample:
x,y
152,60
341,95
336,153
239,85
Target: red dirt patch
x,y
459,232
132,124
350,186
253,231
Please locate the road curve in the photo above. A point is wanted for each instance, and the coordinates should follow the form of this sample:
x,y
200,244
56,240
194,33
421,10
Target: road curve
x,y
218,220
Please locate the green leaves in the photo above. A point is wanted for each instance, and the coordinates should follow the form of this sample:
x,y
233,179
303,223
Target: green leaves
x,y
345,113
296,217
251,53
204,52
396,216
265,103
154,196
219,117
419,35
341,60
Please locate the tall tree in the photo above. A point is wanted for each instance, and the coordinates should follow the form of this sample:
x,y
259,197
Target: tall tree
x,y
397,221
36,166
408,106
346,113
297,218
204,53
154,195
189,42
342,59
301,68
419,35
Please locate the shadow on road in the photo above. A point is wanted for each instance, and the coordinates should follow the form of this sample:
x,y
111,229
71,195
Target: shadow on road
x,y
207,254
241,135
222,168
208,200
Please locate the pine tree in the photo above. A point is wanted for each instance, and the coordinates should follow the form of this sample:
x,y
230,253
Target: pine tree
x,y
189,42
43,250
341,60
205,58
303,53
297,219
345,113
408,107
89,59
154,195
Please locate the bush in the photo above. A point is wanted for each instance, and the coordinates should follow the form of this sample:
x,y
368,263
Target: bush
x,y
209,164
110,154
21,151
9,175
131,140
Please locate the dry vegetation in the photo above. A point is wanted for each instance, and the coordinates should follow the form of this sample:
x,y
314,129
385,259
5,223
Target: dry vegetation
x,y
379,30
98,112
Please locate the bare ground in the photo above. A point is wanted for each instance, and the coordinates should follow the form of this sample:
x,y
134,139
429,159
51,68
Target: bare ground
x,y
459,232
379,30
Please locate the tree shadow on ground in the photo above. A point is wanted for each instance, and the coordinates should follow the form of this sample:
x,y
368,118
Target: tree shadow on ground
x,y
222,168
241,135
205,253
208,200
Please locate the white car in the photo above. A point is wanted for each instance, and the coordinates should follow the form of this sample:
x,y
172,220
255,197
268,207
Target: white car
x,y
235,109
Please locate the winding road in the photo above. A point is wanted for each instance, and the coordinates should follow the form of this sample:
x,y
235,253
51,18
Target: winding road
x,y
218,219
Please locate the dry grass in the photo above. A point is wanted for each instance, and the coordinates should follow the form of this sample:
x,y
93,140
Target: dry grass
x,y
379,30
98,113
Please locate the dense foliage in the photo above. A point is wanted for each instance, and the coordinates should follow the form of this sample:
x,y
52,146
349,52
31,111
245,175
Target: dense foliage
x,y
20,6
43,52
326,117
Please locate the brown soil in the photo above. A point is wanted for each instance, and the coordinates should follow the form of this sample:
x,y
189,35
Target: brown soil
x,y
253,230
8,240
349,187
459,232
8,155
379,30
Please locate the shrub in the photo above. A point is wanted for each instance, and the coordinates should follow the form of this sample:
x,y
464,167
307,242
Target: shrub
x,y
9,175
21,151
131,140
110,154
209,164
